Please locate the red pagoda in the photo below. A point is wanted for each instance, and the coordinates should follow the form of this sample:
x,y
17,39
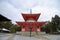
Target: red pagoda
x,y
30,23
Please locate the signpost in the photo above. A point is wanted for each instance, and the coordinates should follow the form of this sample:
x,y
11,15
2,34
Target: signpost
x,y
30,23
30,30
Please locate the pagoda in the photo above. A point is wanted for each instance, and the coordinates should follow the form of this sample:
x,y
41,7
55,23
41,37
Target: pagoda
x,y
30,23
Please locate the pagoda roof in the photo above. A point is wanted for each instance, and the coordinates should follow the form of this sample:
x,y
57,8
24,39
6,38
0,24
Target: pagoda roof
x,y
30,16
31,23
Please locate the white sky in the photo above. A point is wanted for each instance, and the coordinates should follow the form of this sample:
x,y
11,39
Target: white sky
x,y
12,9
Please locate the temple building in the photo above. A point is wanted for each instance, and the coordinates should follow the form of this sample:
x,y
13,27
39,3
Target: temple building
x,y
3,19
31,23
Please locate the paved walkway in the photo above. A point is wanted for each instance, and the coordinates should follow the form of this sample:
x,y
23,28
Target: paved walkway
x,y
36,37
15,37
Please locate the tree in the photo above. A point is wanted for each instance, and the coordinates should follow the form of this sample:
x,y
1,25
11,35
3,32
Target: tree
x,y
53,25
5,24
8,25
14,28
56,21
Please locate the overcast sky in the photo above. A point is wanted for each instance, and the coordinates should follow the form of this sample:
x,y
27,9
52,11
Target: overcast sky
x,y
12,9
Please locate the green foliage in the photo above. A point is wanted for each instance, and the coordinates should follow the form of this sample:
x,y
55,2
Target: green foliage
x,y
8,25
56,22
5,24
53,25
14,28
59,26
